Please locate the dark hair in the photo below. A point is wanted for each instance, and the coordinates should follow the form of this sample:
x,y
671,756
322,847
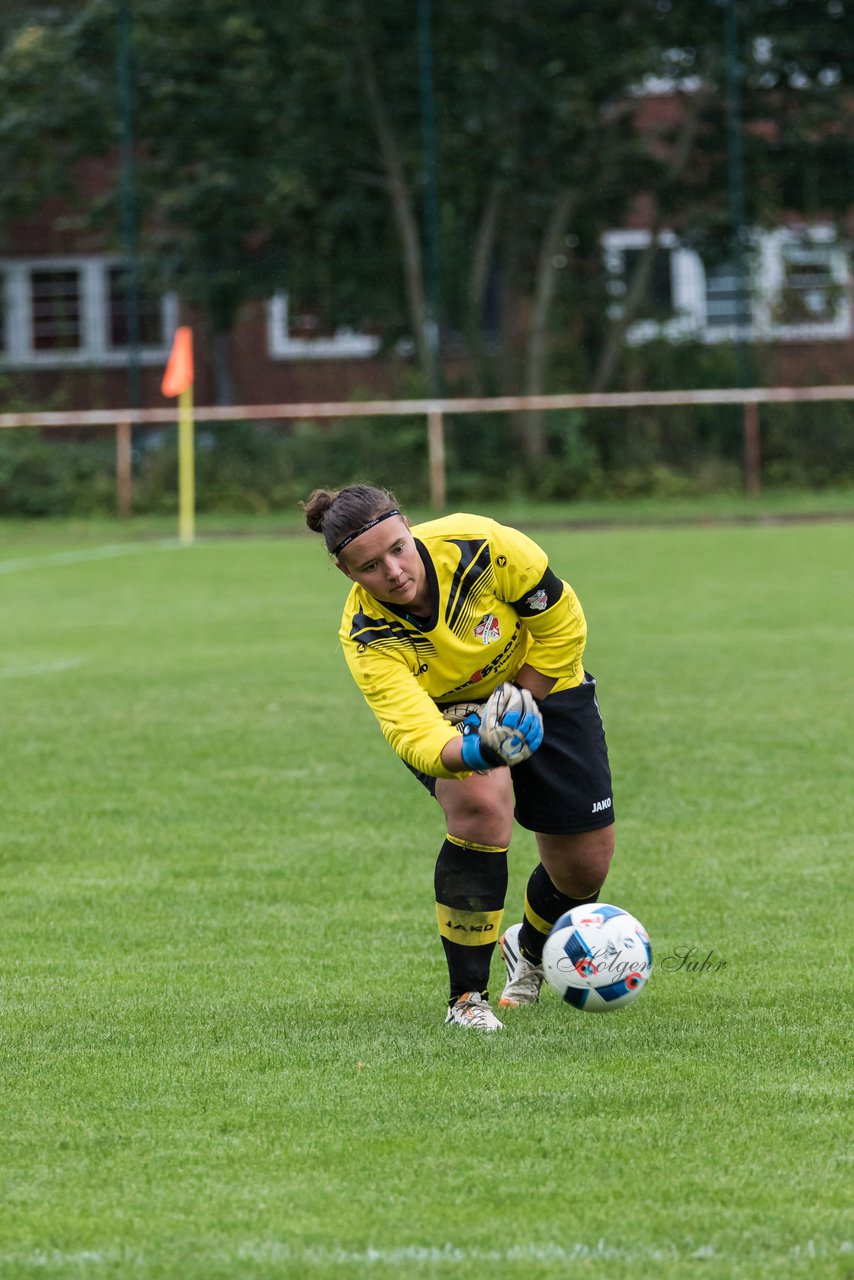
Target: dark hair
x,y
338,512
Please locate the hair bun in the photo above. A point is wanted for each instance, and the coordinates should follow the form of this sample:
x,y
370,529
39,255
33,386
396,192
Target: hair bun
x,y
316,507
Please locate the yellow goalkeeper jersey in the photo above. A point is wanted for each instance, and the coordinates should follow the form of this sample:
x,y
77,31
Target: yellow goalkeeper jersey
x,y
496,605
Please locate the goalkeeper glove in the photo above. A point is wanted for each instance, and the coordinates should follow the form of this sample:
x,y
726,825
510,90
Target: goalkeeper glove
x,y
510,731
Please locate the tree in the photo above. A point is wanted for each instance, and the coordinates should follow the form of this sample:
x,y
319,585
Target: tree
x,y
221,166
792,67
281,147
525,102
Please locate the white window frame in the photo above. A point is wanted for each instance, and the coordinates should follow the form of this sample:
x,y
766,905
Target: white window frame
x,y
772,250
344,344
688,287
683,323
94,349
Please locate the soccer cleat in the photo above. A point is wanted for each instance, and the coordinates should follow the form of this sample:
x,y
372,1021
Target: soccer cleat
x,y
471,1010
523,978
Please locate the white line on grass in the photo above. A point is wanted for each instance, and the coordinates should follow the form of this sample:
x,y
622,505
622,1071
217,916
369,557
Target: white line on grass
x,y
39,668
274,1251
450,1254
89,553
534,1253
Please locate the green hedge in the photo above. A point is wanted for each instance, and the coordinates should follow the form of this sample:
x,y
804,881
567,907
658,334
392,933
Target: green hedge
x,y
258,467
41,475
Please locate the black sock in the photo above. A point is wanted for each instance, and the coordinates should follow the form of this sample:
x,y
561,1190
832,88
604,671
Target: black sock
x,y
543,905
471,884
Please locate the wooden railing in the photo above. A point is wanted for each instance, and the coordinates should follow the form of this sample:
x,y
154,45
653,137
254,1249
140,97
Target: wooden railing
x,y
435,412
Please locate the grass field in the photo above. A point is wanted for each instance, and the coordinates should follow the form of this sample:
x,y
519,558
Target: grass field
x,y
221,987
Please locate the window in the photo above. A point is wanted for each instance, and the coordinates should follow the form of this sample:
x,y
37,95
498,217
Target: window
x,y
798,288
666,311
808,285
300,340
658,300
149,312
806,296
55,311
727,299
62,312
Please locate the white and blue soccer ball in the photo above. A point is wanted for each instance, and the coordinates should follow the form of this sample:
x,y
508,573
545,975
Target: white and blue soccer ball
x,y
597,957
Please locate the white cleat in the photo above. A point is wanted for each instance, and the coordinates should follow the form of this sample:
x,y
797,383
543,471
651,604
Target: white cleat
x,y
471,1010
523,978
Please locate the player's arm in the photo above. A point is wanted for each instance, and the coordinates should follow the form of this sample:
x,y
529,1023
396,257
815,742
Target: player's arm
x,y
527,677
408,717
558,635
508,729
548,609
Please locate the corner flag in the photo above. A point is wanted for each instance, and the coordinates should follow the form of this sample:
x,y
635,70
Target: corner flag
x,y
179,370
178,381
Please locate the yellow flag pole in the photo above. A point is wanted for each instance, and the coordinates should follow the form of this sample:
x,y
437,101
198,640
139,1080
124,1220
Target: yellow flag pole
x,y
186,468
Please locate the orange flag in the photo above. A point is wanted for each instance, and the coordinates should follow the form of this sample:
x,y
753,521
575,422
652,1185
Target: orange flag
x,y
179,371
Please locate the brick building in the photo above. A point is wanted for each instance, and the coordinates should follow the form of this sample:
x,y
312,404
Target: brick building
x,y
64,315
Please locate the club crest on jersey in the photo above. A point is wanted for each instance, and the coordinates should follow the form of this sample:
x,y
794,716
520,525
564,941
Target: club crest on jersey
x,y
488,629
539,601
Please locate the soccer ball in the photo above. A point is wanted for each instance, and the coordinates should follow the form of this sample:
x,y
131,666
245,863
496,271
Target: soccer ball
x,y
597,957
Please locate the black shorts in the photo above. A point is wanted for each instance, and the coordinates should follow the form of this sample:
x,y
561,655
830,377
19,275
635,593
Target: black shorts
x,y
565,786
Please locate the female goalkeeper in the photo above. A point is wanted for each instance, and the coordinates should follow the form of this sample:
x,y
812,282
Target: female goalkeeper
x,y
468,650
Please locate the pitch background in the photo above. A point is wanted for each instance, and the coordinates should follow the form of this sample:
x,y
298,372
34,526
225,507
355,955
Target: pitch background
x,y
221,987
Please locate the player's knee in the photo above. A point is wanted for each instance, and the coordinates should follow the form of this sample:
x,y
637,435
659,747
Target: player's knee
x,y
482,820
578,865
479,810
483,828
577,883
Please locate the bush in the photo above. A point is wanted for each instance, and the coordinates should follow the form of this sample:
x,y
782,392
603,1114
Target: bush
x,y
260,467
43,476
808,445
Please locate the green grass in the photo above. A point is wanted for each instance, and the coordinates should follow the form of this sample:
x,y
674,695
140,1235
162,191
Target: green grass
x,y
771,505
220,986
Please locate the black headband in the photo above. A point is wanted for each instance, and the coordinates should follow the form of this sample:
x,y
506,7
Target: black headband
x,y
364,529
